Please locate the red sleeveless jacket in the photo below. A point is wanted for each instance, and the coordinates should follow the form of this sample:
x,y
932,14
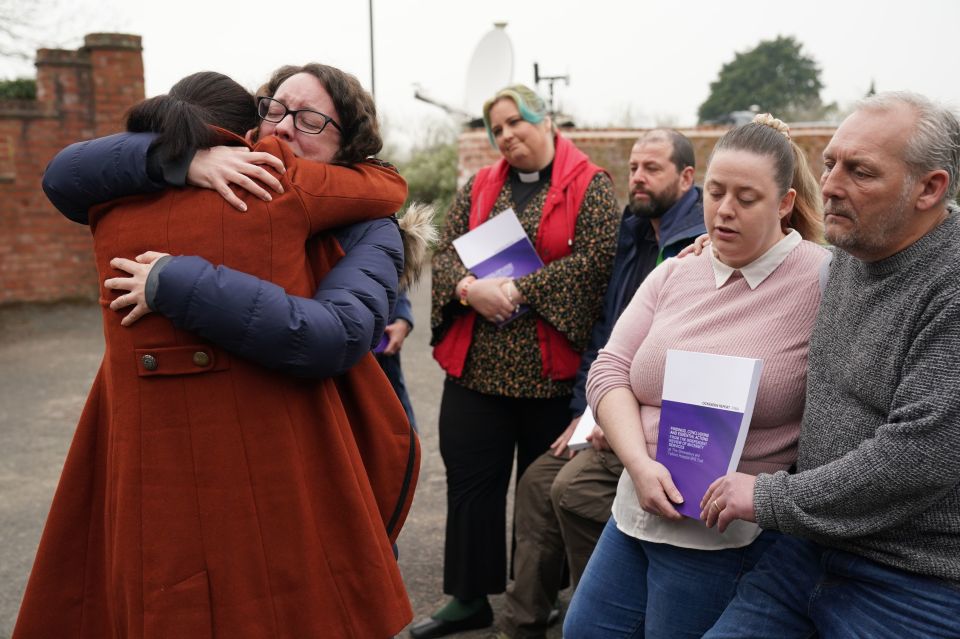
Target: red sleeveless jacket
x,y
572,174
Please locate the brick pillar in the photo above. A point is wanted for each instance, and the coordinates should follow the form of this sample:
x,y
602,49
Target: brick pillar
x,y
80,94
64,91
116,61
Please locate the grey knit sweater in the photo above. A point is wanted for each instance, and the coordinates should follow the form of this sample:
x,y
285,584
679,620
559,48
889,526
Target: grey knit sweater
x,y
879,457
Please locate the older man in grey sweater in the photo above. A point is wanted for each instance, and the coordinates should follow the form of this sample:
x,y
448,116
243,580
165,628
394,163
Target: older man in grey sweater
x,y
874,509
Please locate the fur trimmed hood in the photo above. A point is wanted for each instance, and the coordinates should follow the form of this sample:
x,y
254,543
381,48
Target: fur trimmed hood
x,y
418,232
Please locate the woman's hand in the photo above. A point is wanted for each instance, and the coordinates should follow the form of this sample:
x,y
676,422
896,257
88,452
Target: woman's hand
x,y
514,296
697,247
135,285
655,489
219,167
598,440
396,333
730,497
488,298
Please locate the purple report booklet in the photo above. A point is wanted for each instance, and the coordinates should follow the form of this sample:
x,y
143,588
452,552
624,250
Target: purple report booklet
x,y
705,414
499,248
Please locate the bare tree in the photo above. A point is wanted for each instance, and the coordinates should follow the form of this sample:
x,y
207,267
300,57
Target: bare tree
x,y
19,20
28,25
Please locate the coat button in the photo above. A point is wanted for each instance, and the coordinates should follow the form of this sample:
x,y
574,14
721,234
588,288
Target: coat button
x,y
201,359
149,362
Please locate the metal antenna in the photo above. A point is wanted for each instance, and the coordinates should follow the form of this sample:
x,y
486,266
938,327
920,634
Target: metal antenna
x,y
550,80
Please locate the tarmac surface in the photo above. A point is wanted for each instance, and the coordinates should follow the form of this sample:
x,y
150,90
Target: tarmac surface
x,y
49,354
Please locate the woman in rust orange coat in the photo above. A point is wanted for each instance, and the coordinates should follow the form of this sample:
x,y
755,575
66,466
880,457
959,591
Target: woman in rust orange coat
x,y
205,495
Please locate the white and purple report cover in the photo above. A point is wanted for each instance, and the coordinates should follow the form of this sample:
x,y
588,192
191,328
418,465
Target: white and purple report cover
x,y
498,248
705,414
578,440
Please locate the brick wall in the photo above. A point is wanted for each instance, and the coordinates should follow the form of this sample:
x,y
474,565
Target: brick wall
x,y
80,94
610,148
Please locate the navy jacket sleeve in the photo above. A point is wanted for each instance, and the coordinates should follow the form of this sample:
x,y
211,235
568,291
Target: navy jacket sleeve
x,y
403,310
598,339
258,320
95,171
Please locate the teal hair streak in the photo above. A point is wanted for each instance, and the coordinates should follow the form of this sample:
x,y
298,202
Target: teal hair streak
x,y
530,106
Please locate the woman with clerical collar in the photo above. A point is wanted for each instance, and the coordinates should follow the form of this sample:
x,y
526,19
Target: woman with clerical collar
x,y
510,377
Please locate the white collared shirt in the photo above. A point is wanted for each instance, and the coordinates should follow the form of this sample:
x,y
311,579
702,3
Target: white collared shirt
x,y
759,269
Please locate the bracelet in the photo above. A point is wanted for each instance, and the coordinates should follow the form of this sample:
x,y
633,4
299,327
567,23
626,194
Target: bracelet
x,y
463,291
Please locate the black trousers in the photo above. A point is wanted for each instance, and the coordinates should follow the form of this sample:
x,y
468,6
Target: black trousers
x,y
478,436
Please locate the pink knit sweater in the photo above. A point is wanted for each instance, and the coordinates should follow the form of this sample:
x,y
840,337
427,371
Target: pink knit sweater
x,y
679,306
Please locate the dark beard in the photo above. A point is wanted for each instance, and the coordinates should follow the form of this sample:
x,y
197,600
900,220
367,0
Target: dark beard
x,y
658,204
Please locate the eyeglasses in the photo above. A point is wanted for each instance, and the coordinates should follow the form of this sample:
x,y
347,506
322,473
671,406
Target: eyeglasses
x,y
312,122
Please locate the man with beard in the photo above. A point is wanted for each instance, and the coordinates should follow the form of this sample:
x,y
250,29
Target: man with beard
x,y
874,512
564,498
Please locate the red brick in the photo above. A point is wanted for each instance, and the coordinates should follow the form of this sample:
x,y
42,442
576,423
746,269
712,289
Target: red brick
x,y
80,94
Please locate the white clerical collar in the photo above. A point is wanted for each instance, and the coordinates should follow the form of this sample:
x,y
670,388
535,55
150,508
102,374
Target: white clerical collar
x,y
529,178
759,269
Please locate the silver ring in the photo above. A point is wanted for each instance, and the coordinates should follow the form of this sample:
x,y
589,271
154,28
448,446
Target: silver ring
x,y
498,317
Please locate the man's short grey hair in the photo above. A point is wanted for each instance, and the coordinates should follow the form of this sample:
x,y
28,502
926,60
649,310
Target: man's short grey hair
x,y
935,143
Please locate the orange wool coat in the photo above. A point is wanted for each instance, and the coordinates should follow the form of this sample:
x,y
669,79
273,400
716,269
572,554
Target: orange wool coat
x,y
209,497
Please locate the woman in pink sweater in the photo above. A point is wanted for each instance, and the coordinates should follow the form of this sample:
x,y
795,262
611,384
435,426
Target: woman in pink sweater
x,y
655,573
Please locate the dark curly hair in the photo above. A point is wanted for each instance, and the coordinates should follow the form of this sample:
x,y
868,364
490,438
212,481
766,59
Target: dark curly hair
x,y
360,132
183,116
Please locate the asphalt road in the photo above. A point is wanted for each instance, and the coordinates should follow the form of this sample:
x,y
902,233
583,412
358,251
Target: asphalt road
x,y
48,357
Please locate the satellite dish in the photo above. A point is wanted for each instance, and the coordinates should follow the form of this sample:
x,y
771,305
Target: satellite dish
x,y
490,68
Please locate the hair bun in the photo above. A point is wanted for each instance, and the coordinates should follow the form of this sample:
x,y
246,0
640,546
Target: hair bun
x,y
767,119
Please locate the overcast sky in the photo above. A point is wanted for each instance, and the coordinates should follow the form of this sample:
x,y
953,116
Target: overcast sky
x,y
643,62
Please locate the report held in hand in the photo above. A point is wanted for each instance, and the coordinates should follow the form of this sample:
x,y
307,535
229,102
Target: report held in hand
x,y
705,413
499,248
578,440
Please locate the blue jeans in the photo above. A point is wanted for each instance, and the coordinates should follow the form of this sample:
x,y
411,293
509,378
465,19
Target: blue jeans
x,y
803,589
634,588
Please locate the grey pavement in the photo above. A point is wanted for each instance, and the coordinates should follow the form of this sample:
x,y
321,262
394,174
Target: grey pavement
x,y
48,357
